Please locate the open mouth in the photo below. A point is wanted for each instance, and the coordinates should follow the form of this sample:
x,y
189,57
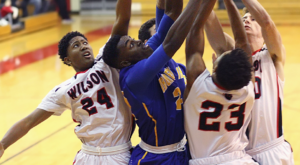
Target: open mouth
x,y
87,55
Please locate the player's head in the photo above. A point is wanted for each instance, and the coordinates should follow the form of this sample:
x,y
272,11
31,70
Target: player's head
x,y
147,30
74,50
122,51
250,24
232,69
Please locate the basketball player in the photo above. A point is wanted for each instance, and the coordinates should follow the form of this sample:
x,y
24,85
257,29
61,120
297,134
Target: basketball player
x,y
266,140
218,106
147,30
94,96
153,84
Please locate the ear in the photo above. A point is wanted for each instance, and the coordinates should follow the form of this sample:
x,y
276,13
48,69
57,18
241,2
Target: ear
x,y
67,61
214,57
125,64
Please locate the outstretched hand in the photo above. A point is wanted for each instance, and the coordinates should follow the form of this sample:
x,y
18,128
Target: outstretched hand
x,y
1,150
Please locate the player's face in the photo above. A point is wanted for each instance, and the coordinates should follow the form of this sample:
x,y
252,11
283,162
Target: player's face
x,y
132,51
251,26
152,31
80,54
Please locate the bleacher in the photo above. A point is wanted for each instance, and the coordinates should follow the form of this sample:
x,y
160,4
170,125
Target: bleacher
x,y
281,11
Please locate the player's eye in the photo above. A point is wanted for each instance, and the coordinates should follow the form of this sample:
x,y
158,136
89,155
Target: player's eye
x,y
131,45
76,45
85,43
253,19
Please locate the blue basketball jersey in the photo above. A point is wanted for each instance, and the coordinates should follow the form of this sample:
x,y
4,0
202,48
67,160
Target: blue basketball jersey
x,y
159,113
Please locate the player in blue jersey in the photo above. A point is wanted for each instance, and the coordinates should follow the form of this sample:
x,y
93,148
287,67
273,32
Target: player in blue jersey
x,y
148,29
154,84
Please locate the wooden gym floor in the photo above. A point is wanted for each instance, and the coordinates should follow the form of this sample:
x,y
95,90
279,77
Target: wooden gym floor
x,y
30,68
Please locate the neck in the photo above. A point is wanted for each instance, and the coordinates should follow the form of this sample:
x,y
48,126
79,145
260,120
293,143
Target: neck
x,y
255,42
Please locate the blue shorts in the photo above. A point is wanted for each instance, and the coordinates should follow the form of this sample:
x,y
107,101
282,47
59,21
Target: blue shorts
x,y
142,157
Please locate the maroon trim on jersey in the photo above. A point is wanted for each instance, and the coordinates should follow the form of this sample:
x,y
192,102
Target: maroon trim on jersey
x,y
219,86
81,72
76,121
256,51
75,157
279,117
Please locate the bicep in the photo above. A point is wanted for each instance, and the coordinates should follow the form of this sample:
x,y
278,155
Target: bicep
x,y
273,41
195,66
37,116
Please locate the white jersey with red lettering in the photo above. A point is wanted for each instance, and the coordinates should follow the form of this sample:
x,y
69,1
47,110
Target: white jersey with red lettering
x,y
97,104
215,119
266,140
266,123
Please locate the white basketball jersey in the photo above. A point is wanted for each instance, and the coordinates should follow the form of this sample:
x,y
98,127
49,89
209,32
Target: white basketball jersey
x,y
97,104
266,124
216,120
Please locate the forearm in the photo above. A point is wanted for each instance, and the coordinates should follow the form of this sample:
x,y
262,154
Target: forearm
x,y
173,8
237,26
123,14
21,128
160,10
17,131
181,27
216,36
161,33
258,12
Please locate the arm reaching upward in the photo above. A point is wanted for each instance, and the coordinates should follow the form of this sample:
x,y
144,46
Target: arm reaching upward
x,y
219,40
21,128
237,27
182,25
173,8
270,34
160,10
123,14
238,30
195,48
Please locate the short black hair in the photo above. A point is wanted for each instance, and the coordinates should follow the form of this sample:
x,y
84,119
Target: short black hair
x,y
64,43
144,33
111,52
234,70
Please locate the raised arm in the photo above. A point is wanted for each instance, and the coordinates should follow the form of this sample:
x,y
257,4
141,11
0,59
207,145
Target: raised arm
x,y
160,10
219,40
182,26
173,8
195,47
123,14
21,128
270,34
238,30
237,27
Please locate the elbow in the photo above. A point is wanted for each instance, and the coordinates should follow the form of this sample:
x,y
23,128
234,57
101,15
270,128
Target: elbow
x,y
267,22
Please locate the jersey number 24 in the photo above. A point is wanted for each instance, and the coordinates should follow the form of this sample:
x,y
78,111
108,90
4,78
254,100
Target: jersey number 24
x,y
102,98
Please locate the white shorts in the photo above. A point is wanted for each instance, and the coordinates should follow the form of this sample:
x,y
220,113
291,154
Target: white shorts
x,y
234,158
276,152
87,159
